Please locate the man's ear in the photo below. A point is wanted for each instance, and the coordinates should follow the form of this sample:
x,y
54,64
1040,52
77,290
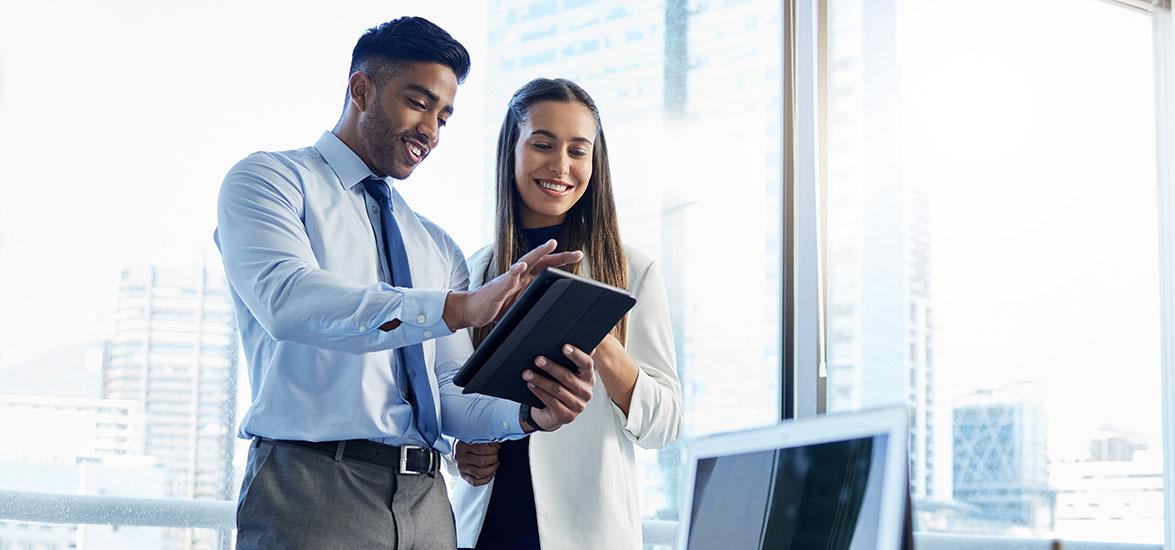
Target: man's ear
x,y
362,90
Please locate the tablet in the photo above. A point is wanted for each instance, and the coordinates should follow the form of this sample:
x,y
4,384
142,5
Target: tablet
x,y
557,308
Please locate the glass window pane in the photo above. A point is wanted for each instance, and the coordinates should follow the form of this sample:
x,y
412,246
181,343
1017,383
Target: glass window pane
x,y
992,258
689,94
120,368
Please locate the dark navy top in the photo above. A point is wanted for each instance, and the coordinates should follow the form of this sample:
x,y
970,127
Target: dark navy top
x,y
510,520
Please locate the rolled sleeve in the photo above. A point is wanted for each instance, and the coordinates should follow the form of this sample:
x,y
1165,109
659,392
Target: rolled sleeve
x,y
655,410
646,395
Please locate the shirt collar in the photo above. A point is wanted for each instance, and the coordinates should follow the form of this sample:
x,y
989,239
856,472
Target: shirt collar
x,y
350,169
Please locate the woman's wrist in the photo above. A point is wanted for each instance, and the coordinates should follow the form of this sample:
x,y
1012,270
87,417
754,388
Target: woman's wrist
x,y
618,372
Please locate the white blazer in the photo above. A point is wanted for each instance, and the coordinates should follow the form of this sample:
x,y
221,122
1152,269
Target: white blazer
x,y
584,474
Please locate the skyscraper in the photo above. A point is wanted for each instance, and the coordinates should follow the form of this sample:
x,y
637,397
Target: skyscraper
x,y
614,49
1000,455
880,315
174,352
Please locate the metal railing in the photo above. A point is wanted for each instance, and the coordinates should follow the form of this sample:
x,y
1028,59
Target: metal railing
x,y
220,516
217,515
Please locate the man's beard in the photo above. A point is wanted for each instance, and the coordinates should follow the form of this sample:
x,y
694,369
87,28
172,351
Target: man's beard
x,y
381,144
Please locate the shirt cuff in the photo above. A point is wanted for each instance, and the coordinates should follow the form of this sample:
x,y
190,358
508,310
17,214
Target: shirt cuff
x,y
421,314
506,421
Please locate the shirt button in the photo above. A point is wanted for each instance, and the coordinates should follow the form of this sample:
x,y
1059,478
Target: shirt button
x,y
375,210
421,319
428,334
362,328
505,425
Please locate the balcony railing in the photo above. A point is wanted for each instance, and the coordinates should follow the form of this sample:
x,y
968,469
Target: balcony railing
x,y
220,516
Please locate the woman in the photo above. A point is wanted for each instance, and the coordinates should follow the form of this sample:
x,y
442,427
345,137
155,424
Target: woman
x,y
574,487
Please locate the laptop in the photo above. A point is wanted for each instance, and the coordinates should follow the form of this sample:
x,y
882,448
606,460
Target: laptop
x,y
834,482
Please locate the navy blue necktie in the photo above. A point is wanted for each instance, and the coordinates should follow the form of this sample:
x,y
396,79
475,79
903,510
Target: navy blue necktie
x,y
410,366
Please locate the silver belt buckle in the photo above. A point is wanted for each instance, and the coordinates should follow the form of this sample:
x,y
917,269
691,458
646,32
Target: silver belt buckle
x,y
404,460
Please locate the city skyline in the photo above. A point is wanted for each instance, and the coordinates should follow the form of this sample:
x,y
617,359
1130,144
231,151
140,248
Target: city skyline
x,y
107,246
1007,287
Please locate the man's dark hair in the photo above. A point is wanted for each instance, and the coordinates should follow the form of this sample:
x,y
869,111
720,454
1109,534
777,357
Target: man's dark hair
x,y
407,39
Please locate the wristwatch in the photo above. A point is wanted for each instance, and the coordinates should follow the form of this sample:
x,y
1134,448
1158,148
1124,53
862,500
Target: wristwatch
x,y
525,418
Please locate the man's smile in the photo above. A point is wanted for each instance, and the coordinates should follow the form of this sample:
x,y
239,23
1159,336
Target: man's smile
x,y
415,150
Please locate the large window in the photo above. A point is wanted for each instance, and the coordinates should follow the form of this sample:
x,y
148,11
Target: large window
x,y
988,231
120,371
690,104
992,257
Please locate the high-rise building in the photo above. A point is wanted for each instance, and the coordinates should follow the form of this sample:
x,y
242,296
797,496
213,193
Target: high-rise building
x,y
880,314
1000,455
174,352
614,49
689,94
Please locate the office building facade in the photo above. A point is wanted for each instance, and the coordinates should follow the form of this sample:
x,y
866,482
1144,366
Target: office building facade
x,y
1001,456
175,352
880,314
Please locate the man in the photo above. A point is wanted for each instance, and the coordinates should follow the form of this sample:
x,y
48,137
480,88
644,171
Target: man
x,y
348,305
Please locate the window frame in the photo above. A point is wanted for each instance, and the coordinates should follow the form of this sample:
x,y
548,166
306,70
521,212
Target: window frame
x,y
804,31
1163,32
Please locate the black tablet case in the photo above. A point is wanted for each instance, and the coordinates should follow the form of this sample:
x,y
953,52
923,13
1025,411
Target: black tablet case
x,y
557,308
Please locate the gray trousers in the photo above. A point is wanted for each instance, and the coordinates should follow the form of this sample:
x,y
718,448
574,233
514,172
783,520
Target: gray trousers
x,y
298,498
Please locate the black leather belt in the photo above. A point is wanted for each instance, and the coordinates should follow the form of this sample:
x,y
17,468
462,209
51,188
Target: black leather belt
x,y
406,459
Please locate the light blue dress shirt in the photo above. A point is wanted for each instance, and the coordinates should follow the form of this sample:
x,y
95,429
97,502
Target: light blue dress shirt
x,y
299,240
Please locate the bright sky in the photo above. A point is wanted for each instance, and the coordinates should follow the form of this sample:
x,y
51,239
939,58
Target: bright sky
x,y
1032,125
118,121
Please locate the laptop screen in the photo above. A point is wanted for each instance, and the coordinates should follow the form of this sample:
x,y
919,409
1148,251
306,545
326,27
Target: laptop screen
x,y
824,495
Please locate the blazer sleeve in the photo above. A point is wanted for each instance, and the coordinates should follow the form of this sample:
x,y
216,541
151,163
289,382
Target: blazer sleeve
x,y
654,415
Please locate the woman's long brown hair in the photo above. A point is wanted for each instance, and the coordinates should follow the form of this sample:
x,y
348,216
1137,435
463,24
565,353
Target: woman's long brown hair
x,y
591,223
